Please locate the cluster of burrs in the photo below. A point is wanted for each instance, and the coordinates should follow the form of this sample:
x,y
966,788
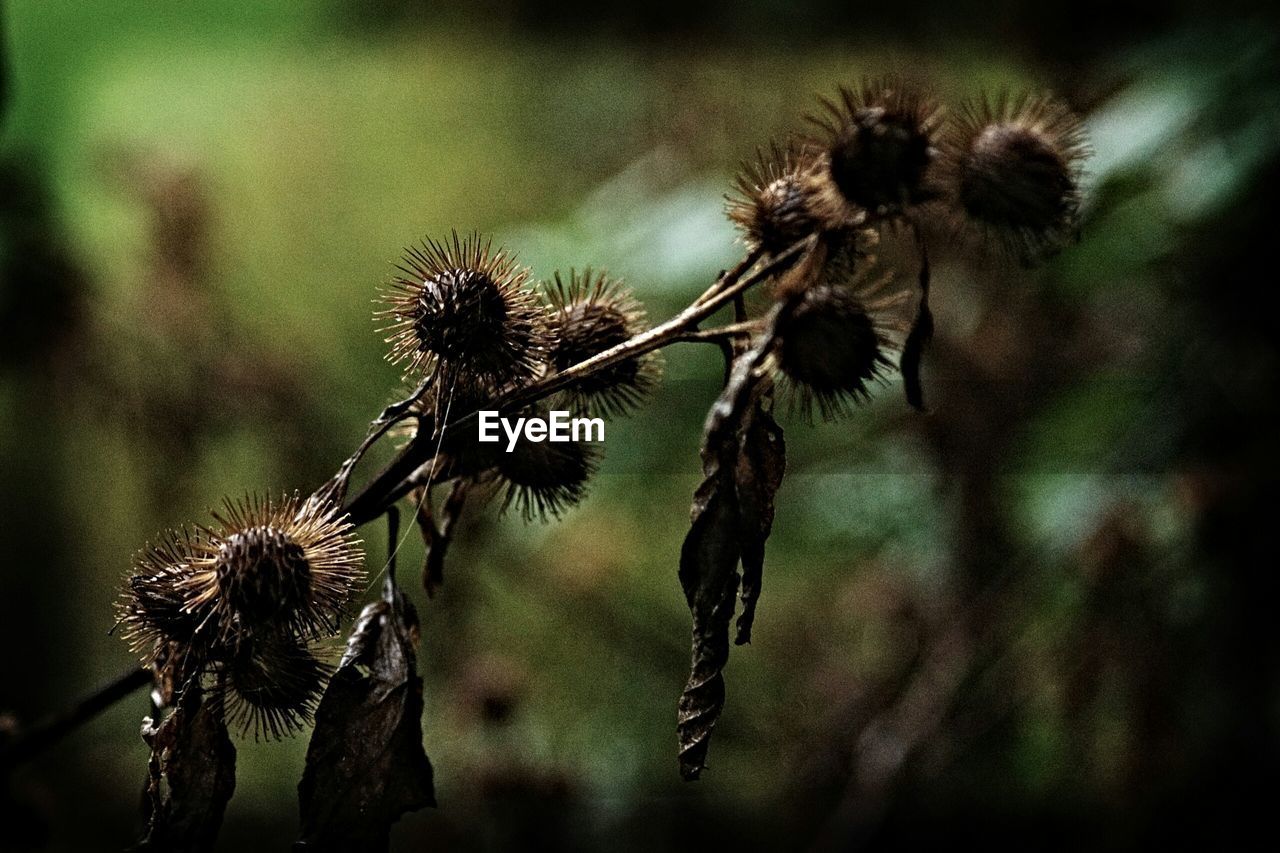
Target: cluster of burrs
x,y
1002,173
471,320
235,608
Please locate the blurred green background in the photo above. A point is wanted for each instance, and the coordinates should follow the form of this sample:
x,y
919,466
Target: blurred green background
x,y
1039,615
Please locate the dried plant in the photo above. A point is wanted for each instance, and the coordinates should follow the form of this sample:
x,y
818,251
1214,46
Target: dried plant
x,y
226,617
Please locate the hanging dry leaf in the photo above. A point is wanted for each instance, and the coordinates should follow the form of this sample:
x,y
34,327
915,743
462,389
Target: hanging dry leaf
x,y
191,776
437,536
919,337
365,765
742,462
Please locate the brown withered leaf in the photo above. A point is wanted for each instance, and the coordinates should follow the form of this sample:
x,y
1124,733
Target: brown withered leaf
x,y
742,462
365,765
919,337
762,460
190,776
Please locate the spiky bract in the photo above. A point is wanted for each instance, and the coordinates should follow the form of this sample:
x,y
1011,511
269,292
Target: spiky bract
x,y
462,307
591,313
833,345
1013,172
773,205
876,147
289,563
240,600
271,688
545,478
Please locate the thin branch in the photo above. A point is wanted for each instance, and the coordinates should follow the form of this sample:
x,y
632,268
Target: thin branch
x,y
718,334
404,473
46,733
336,489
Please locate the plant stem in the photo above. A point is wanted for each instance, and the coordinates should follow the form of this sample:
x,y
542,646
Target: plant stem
x,y
718,334
46,733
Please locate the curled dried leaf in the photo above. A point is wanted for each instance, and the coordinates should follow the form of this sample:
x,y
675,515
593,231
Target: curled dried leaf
x,y
436,535
365,765
190,776
743,461
920,336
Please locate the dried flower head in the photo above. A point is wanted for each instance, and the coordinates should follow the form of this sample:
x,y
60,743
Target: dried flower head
x,y
271,687
773,203
833,345
590,314
151,605
463,308
1013,169
271,566
876,149
546,478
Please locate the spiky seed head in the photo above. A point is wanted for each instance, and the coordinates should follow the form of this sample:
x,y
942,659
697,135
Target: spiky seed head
x,y
773,203
271,687
591,313
877,145
462,307
1014,171
830,350
546,478
269,566
263,572
150,607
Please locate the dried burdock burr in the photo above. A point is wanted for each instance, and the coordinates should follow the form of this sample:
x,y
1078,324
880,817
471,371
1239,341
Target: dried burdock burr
x,y
875,150
546,478
1013,172
773,203
288,565
833,345
463,308
151,605
271,686
591,313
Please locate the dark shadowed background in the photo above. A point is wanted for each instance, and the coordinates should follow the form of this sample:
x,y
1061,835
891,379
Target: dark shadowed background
x,y
1041,615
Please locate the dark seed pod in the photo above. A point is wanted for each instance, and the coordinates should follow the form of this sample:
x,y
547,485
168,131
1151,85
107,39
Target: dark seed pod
x,y
267,567
876,148
546,478
590,314
271,687
463,308
773,206
1014,170
830,349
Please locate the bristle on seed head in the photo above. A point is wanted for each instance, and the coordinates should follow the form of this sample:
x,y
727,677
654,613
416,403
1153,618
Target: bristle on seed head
x,y
271,688
830,350
545,478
